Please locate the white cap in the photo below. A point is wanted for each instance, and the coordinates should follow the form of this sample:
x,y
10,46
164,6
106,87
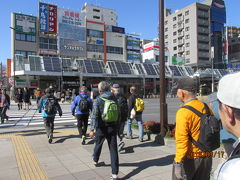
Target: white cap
x,y
229,90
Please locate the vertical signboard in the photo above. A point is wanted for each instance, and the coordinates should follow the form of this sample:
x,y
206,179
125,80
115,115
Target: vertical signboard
x,y
71,17
52,16
48,18
9,68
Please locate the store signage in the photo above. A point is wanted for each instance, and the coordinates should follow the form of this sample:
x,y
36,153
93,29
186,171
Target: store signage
x,y
68,31
219,4
118,29
70,47
25,24
48,18
70,17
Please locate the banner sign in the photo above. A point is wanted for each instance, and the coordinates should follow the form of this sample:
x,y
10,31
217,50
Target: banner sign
x,y
68,47
68,31
118,29
48,18
70,17
178,60
25,24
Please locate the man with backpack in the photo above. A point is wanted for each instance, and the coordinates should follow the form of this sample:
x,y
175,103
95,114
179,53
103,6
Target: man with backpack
x,y
194,124
105,117
229,110
49,106
123,109
81,106
135,109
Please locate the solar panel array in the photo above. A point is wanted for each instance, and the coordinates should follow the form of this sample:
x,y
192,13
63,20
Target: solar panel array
x,y
112,67
149,69
123,68
56,64
223,72
93,66
139,69
189,70
19,59
181,70
175,70
66,65
52,64
35,63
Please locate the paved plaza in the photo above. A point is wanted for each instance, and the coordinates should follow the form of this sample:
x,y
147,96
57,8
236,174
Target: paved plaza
x,y
26,154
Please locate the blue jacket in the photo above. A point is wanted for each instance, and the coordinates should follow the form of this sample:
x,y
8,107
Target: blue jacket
x,y
75,104
98,107
42,104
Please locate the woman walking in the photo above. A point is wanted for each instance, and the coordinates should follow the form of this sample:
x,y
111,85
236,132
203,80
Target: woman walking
x,y
26,98
19,98
4,105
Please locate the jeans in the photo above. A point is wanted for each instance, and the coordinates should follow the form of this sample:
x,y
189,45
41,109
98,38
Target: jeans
x,y
109,133
140,126
82,123
49,125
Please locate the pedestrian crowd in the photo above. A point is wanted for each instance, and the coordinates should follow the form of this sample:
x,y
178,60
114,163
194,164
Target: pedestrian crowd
x,y
199,125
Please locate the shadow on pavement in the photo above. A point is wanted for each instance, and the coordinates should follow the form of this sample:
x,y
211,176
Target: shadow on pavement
x,y
64,138
130,149
164,161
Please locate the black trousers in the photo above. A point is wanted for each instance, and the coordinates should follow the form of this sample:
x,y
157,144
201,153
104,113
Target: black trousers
x,y
109,133
3,111
82,123
195,169
49,125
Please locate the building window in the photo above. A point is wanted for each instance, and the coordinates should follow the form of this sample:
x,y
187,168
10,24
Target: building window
x,y
187,28
166,36
187,44
187,21
94,33
187,52
175,48
94,48
166,22
175,25
114,50
175,40
187,36
96,17
166,29
96,10
187,13
25,53
175,33
45,43
174,18
25,37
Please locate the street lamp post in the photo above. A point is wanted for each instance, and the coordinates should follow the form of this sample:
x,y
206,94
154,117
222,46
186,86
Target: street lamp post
x,y
163,105
212,57
13,57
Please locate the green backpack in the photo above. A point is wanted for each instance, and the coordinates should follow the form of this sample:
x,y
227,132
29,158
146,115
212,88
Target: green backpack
x,y
110,112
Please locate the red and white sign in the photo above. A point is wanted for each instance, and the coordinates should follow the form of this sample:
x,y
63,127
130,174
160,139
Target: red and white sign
x,y
52,18
152,46
70,17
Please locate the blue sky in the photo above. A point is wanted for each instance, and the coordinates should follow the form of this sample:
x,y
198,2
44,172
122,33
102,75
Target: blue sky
x,y
140,16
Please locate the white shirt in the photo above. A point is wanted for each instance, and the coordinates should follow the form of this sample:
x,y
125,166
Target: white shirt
x,y
229,170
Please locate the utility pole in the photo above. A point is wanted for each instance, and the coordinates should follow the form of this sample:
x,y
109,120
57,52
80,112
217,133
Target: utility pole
x,y
163,105
212,58
13,57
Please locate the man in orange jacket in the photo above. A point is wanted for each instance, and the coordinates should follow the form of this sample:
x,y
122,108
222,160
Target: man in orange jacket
x,y
190,162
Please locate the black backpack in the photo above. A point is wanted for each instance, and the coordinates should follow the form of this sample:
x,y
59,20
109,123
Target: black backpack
x,y
83,104
209,138
123,107
50,106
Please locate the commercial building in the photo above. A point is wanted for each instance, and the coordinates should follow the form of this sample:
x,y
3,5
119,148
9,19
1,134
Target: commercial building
x,y
232,46
192,31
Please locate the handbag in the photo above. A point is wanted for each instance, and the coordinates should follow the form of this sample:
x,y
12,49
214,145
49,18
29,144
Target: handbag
x,y
133,113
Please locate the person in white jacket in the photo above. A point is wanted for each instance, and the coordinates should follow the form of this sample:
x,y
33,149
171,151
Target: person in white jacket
x,y
229,110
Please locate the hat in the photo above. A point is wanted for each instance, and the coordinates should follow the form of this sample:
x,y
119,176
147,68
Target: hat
x,y
187,83
116,86
229,90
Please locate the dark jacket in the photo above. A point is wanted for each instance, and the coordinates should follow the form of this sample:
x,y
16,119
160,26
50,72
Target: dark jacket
x,y
26,96
41,105
75,104
19,96
7,100
123,106
131,103
98,106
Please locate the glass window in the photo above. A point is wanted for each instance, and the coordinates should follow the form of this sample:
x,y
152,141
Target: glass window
x,y
175,25
29,38
94,33
22,37
175,33
96,17
187,13
187,21
18,36
33,38
174,18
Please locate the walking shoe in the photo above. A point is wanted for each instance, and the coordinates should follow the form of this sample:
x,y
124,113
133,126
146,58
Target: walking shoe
x,y
50,139
114,177
83,140
128,137
120,146
140,140
95,163
6,118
